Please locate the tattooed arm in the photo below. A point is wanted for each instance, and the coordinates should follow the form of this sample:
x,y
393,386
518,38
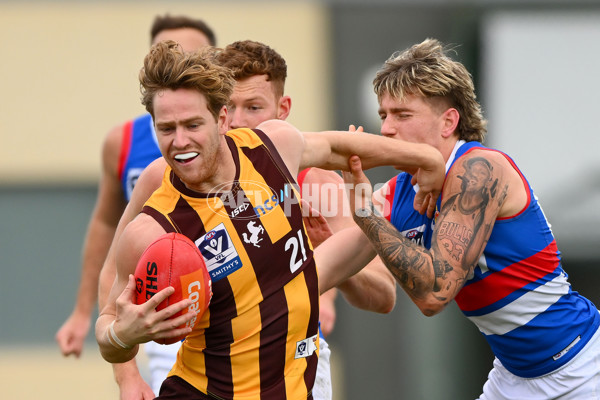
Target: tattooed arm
x,y
480,187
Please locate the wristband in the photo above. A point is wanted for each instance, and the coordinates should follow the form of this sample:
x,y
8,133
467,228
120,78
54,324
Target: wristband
x,y
115,339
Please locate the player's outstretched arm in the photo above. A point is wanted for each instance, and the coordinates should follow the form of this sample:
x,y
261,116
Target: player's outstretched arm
x,y
341,256
424,162
332,149
372,289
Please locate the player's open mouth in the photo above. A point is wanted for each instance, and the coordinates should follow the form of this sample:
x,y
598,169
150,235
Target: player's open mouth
x,y
185,157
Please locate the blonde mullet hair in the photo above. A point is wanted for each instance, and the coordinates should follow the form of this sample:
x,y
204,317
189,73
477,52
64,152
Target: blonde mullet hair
x,y
425,70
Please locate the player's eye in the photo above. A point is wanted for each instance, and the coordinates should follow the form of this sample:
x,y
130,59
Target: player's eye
x,y
166,129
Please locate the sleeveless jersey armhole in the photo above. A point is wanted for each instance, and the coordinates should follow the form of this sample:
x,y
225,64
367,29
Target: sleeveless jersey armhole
x,y
274,153
160,218
301,177
515,167
389,198
125,147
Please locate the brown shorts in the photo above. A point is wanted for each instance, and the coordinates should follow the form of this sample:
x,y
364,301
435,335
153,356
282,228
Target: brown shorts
x,y
175,388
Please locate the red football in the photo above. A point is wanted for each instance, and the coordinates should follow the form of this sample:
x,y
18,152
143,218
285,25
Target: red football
x,y
174,260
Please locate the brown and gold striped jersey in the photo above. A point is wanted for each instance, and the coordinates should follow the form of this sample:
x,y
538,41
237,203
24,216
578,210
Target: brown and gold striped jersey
x,y
259,337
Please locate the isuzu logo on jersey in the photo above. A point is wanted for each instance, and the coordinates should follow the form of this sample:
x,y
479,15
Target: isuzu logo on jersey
x,y
219,253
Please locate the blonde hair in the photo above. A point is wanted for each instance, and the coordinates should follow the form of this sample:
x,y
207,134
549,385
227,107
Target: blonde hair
x,y
166,66
425,70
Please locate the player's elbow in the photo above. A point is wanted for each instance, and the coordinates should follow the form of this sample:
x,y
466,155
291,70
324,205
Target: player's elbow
x,y
387,309
387,303
429,309
428,312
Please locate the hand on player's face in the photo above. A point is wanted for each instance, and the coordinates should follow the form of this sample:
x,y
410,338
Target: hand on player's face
x,y
142,323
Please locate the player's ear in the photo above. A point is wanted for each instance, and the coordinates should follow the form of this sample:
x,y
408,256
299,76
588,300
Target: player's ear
x,y
283,107
222,121
450,119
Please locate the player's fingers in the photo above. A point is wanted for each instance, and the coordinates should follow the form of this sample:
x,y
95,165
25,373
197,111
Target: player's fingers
x,y
171,333
433,197
62,342
183,319
75,349
173,309
308,210
355,165
158,298
65,348
353,128
420,202
129,291
357,173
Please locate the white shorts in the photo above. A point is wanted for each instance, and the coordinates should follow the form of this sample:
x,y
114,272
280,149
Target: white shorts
x,y
322,388
161,359
579,379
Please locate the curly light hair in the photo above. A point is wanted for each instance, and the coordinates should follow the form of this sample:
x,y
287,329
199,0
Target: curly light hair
x,y
426,70
166,66
247,58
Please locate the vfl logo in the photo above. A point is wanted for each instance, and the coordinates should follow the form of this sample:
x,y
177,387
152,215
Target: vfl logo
x,y
306,347
219,253
254,232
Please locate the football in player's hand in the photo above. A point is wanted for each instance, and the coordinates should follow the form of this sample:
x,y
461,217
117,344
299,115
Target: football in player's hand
x,y
174,260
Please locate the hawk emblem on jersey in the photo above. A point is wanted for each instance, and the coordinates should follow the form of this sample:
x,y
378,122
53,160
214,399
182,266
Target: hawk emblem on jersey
x,y
254,232
219,253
